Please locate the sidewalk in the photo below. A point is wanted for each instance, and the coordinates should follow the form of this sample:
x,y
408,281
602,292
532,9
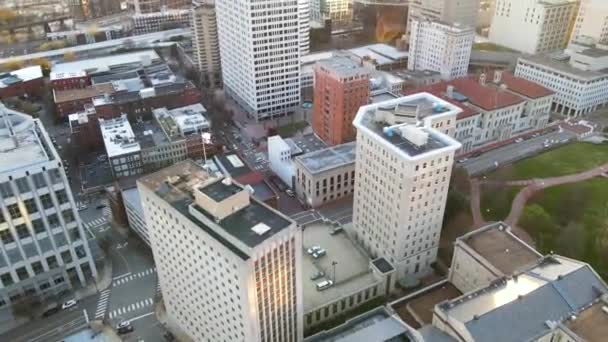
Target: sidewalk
x,y
169,324
104,281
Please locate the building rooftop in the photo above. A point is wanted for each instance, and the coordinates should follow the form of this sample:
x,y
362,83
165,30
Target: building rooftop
x,y
84,93
232,165
353,271
381,53
21,75
149,134
591,324
22,141
382,96
329,158
239,230
182,121
528,304
307,143
501,248
132,197
561,65
343,66
118,137
383,266
378,325
395,124
105,63
418,310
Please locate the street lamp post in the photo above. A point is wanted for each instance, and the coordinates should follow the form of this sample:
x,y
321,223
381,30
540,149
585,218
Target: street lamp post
x,y
333,264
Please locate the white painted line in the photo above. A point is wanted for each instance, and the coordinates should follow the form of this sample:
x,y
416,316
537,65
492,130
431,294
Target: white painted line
x,y
86,315
122,275
142,316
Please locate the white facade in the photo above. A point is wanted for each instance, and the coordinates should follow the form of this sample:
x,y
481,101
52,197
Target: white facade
x,y
260,47
402,179
440,47
533,26
43,246
279,156
221,278
124,152
464,12
205,44
339,11
577,92
592,21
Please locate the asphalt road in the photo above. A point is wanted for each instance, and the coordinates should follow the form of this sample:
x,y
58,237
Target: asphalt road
x,y
513,152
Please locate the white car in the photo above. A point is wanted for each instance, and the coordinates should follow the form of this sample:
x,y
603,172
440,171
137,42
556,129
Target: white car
x,y
70,303
313,249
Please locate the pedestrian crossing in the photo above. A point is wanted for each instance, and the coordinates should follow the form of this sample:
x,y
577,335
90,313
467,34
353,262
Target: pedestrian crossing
x,y
125,279
142,304
158,288
102,304
96,222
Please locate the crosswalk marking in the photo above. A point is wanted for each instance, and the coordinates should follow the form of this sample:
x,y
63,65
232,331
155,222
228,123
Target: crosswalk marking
x,y
139,305
134,276
102,304
96,222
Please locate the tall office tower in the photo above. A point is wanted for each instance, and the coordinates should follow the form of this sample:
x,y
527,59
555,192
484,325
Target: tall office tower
x,y
341,88
441,47
151,6
205,43
260,49
464,12
43,248
304,17
402,177
592,21
533,26
339,11
229,266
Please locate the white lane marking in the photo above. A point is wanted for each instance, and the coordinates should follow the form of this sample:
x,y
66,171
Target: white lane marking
x,y
121,276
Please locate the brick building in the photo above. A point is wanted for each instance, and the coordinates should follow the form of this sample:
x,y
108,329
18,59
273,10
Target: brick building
x,y
23,82
341,88
69,80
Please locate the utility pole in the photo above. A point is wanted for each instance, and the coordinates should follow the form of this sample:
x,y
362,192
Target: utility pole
x,y
333,264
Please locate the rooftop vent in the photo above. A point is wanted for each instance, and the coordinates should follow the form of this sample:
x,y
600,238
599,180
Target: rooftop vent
x,y
227,181
497,76
482,79
414,135
260,228
605,309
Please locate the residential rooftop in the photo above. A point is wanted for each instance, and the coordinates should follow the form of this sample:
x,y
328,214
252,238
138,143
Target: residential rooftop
x,y
377,325
118,137
501,248
529,303
243,228
329,158
22,141
231,165
106,63
353,272
149,134
395,123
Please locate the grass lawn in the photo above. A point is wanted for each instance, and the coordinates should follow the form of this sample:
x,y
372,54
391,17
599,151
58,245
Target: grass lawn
x,y
572,158
572,220
289,130
496,201
491,47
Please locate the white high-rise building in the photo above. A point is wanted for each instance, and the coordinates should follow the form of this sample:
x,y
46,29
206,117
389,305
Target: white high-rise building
x,y
464,12
402,177
261,43
441,47
206,47
43,246
339,11
533,26
592,21
229,266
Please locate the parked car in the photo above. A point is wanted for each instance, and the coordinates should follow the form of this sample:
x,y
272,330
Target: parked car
x,y
51,310
124,330
102,157
313,249
317,275
290,193
101,206
82,207
336,230
70,303
324,285
319,253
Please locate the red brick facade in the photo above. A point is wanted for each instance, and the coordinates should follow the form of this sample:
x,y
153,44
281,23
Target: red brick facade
x,y
33,87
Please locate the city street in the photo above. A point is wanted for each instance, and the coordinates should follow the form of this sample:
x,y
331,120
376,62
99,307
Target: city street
x,y
515,151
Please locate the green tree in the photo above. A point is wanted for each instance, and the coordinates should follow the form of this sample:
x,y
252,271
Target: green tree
x,y
539,224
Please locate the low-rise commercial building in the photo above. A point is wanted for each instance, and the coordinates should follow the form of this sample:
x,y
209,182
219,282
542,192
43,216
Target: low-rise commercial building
x,y
123,151
280,158
23,82
159,21
380,56
326,175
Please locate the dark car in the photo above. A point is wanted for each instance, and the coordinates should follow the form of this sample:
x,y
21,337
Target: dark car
x,y
101,206
51,311
125,330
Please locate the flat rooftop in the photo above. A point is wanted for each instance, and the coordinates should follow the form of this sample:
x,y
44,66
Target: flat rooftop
x,y
382,96
501,248
563,66
118,137
381,53
343,66
308,143
329,158
551,290
591,324
353,271
27,74
106,63
232,165
219,191
25,146
82,93
375,123
233,231
422,305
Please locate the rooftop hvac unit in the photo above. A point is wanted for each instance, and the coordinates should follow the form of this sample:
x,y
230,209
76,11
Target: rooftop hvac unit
x,y
414,135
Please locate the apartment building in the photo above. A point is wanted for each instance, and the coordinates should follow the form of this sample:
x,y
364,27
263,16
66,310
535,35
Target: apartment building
x,y
262,42
43,246
326,175
228,265
441,47
533,26
402,177
591,21
448,11
341,87
205,45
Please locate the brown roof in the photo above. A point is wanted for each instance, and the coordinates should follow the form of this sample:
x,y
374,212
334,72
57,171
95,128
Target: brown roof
x,y
250,178
439,90
522,86
81,94
592,323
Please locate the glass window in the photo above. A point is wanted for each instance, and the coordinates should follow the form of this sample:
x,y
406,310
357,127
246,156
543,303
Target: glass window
x,y
68,215
52,261
38,226
80,252
22,185
30,205
22,273
39,180
53,220
6,190
66,256
62,196
6,236
22,231
46,200
37,267
7,279
13,210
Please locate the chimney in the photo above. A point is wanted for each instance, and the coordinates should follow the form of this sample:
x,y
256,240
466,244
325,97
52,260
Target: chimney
x,y
450,91
497,76
482,79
